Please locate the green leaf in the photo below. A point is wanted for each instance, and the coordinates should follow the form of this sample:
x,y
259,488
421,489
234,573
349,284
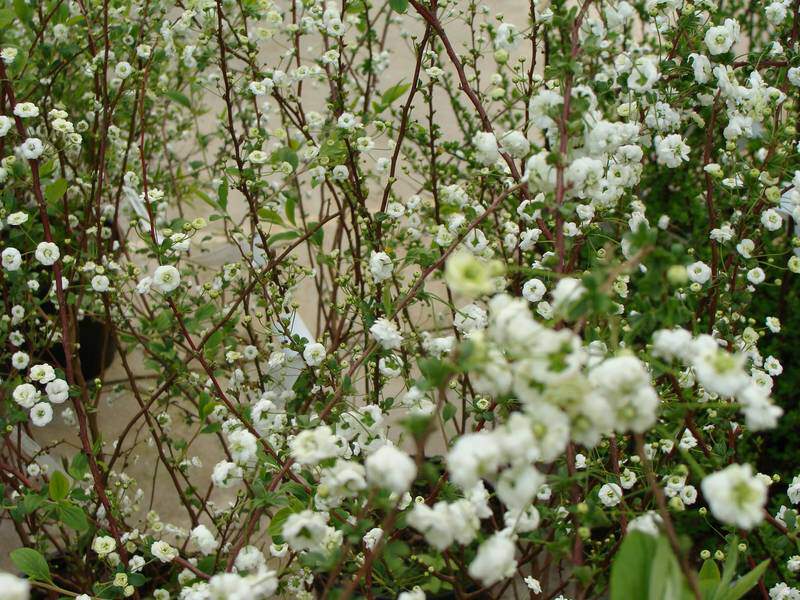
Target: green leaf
x,y
59,486
179,98
394,92
399,6
710,571
746,583
55,190
630,571
24,12
666,580
32,563
7,17
285,155
222,193
282,237
73,516
79,466
276,524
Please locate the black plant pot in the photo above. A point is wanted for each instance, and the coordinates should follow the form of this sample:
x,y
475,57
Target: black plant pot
x,y
97,348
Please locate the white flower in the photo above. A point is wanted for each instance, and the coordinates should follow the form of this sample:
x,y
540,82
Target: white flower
x,y
32,148
57,391
702,67
202,537
104,545
735,496
494,560
794,490
12,259
568,290
671,150
243,446
391,469
20,360
469,275
380,266
249,559
533,290
515,143
25,395
305,530
533,585
719,39
372,537
166,278
5,125
257,157
414,594
163,551
644,74
486,147
100,283
699,272
610,494
41,414
123,69
226,474
314,353
771,219
386,334
25,110
47,253
14,588
756,275
43,373
17,218
311,446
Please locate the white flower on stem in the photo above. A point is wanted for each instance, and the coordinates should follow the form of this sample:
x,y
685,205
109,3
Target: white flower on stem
x,y
314,353
47,253
721,38
610,494
736,496
41,414
380,266
486,149
32,148
202,537
166,278
390,468
163,551
12,259
386,334
495,560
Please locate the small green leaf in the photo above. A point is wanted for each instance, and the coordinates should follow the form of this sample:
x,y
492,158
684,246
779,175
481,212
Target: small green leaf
x,y
222,194
55,190
710,571
282,237
79,466
32,563
399,6
59,486
746,583
73,516
276,524
179,98
394,92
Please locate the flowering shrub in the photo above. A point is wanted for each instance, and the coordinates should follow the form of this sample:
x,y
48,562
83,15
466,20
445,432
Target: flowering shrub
x,y
504,319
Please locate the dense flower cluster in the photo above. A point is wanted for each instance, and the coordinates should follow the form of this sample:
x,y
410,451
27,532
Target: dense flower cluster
x,y
357,299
